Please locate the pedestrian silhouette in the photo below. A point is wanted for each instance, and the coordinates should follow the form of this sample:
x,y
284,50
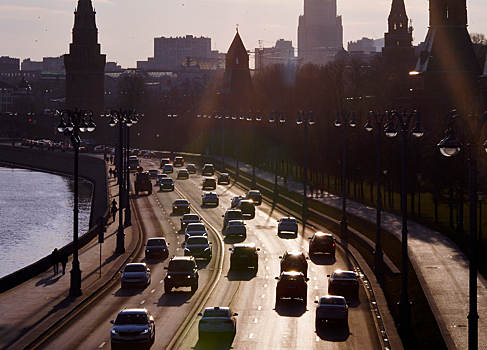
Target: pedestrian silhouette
x,y
114,209
110,172
111,159
55,260
63,258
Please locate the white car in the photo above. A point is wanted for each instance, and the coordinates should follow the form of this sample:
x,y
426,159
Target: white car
x,y
195,229
210,198
287,224
235,228
135,274
168,168
217,320
133,327
332,308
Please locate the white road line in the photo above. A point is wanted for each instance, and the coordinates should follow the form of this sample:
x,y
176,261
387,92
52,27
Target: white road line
x,y
102,345
267,268
316,287
265,285
259,308
161,281
142,302
266,276
255,321
152,291
317,338
263,296
265,251
251,336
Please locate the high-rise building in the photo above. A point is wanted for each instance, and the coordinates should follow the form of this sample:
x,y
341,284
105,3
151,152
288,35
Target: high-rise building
x,y
85,64
320,32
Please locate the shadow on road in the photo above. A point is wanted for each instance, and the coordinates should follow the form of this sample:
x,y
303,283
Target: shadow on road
x,y
322,259
241,274
177,297
290,307
217,342
332,332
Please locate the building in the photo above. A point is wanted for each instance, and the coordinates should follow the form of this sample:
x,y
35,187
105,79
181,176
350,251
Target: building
x,y
85,64
398,41
281,53
365,46
169,53
320,32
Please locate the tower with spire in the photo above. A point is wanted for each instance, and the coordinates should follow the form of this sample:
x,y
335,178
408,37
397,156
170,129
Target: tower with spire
x,y
85,64
399,38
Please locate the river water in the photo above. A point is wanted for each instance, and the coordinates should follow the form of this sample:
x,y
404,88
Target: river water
x,y
36,215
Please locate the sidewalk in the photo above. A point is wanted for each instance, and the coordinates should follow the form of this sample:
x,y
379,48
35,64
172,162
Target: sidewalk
x,y
440,265
31,308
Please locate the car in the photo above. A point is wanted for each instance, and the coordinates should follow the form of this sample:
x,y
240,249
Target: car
x,y
159,177
151,154
331,308
182,271
135,274
195,229
244,255
292,284
217,320
231,214
343,283
236,201
235,228
156,247
142,183
209,182
133,162
133,327
247,207
189,219
166,184
183,174
153,173
294,261
287,224
198,247
191,168
224,178
210,198
178,161
208,169
255,196
180,206
322,243
168,168
164,161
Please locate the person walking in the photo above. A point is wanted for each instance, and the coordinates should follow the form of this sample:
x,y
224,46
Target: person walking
x,y
63,258
110,172
114,209
111,159
55,260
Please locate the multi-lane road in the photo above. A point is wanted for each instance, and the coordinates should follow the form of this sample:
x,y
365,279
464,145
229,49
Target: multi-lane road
x,y
261,323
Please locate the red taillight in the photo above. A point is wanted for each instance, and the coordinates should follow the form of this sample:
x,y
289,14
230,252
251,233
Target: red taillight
x,y
344,310
333,244
319,309
312,243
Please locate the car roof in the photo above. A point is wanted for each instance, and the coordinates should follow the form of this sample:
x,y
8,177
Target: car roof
x,y
254,192
181,201
291,273
224,174
133,311
210,193
209,178
156,238
288,218
333,297
238,221
244,245
323,234
137,264
180,257
182,171
348,274
217,308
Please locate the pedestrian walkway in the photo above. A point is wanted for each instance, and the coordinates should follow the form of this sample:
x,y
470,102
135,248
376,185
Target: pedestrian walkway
x,y
441,267
30,309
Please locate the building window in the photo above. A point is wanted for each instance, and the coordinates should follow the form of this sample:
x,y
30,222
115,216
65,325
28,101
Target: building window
x,y
236,60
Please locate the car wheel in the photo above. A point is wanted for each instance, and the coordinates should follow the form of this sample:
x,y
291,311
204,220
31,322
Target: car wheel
x,y
333,254
194,287
167,289
278,232
201,335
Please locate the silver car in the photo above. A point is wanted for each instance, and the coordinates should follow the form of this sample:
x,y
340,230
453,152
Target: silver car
x,y
332,308
135,274
235,228
133,327
217,320
198,247
195,229
287,224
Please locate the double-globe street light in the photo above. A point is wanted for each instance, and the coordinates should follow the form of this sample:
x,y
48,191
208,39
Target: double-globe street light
x,y
125,119
349,120
391,131
76,124
450,146
172,116
253,119
379,119
305,118
237,118
277,118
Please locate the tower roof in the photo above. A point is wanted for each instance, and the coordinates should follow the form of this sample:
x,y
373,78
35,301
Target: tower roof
x,y
237,48
398,7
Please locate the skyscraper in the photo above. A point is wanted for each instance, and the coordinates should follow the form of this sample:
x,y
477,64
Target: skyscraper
x,y
320,31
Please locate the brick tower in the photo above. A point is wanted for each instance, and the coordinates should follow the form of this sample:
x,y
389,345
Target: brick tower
x,y
399,38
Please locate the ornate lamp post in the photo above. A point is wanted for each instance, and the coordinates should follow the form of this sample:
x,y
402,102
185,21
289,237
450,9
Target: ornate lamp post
x,y
254,119
346,116
305,118
391,131
76,124
131,120
237,118
274,119
200,117
450,146
378,254
173,117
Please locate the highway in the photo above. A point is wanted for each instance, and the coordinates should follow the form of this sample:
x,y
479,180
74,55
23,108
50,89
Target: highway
x,y
260,322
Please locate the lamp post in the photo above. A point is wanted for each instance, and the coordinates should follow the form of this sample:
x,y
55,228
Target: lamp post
x,y
131,120
346,116
200,117
378,254
305,118
237,118
254,119
277,117
172,117
480,196
419,177
75,125
451,146
391,131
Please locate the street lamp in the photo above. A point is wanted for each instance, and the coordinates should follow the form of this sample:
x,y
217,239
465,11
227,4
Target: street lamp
x,y
173,117
76,124
391,131
378,254
273,119
419,177
254,119
480,196
131,120
346,116
305,118
200,117
237,118
451,146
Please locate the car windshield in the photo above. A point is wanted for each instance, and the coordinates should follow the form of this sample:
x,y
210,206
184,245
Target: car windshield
x,y
332,301
153,171
323,238
181,202
234,214
166,179
215,313
191,217
197,240
242,250
210,194
196,227
253,193
343,274
134,268
288,220
156,242
126,318
235,223
181,265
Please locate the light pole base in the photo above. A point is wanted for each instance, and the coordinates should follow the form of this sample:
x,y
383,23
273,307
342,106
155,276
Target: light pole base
x,y
379,264
128,216
75,288
120,241
404,327
344,230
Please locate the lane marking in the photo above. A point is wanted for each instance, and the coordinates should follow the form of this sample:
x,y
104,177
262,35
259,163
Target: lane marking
x,y
259,308
255,321
142,302
152,291
251,336
102,345
265,285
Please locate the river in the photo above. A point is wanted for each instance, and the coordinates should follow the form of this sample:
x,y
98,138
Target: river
x,y
36,215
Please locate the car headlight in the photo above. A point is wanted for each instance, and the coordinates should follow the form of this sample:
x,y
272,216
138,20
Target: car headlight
x,y
188,276
168,277
206,249
187,250
147,250
114,331
145,331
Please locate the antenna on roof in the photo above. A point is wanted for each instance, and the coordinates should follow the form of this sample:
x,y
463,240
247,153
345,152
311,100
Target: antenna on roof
x,y
237,27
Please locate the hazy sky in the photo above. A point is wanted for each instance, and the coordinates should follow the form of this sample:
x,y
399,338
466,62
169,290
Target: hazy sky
x,y
42,28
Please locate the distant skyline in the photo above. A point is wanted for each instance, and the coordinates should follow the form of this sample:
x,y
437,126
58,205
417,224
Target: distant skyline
x,y
126,29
